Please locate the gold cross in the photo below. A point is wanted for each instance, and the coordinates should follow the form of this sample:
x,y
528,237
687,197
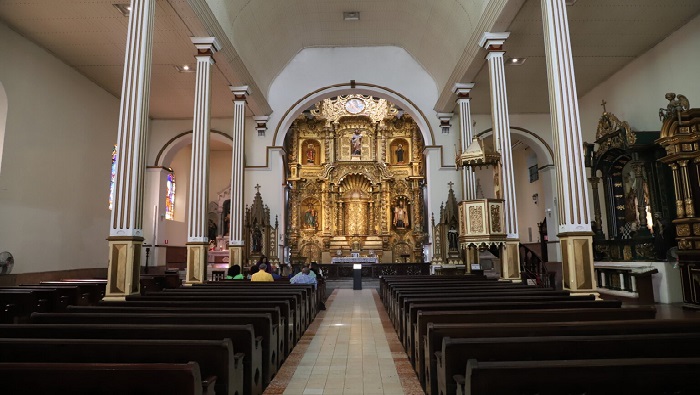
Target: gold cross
x,y
257,186
450,184
603,104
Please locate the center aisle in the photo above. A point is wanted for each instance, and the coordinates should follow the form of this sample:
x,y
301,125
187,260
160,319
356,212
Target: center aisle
x,y
350,348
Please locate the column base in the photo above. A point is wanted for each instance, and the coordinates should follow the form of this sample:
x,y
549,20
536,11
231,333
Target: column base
x,y
510,260
235,256
196,272
577,260
124,270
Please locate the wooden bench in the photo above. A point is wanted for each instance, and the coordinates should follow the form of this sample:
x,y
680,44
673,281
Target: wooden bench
x,y
215,357
299,310
413,337
455,354
287,315
262,323
104,378
19,304
273,311
595,377
96,289
437,332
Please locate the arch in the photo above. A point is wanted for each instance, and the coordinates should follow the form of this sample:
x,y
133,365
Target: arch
x,y
3,119
537,143
356,88
172,146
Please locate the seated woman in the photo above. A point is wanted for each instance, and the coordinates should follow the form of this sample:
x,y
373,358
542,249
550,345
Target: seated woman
x,y
234,273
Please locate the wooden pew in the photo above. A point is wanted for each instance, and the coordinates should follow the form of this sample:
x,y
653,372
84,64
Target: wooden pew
x,y
413,337
71,293
243,379
261,322
213,297
283,306
386,281
455,354
273,311
21,303
437,332
213,356
104,378
95,288
514,316
594,377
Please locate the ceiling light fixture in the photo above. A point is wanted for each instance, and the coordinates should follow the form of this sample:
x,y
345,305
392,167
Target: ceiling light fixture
x,y
185,68
351,15
516,61
125,9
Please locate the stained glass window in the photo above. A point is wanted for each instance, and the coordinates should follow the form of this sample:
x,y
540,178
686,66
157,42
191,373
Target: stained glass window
x,y
114,175
170,197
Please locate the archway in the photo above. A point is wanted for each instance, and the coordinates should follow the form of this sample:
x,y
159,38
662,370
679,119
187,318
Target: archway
x,y
356,88
536,196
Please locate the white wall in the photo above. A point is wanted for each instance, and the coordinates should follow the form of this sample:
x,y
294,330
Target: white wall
x,y
54,184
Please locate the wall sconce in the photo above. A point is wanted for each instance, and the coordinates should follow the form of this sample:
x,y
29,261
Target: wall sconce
x,y
535,197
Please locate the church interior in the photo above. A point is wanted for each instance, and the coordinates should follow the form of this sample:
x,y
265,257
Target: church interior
x,y
537,153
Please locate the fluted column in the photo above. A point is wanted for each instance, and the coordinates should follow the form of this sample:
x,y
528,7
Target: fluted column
x,y
236,240
197,207
493,42
574,213
126,225
466,133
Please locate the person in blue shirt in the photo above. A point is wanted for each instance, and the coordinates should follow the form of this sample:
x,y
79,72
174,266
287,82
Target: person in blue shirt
x,y
303,277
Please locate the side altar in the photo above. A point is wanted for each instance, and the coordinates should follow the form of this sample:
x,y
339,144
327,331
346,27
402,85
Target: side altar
x,y
355,182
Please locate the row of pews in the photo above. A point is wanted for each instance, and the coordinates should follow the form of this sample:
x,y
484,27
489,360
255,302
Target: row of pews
x,y
472,335
224,337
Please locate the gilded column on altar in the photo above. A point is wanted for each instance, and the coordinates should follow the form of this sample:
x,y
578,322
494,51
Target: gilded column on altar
x,y
493,42
574,213
197,208
126,224
236,241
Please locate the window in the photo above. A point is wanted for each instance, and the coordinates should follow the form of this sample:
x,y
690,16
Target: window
x,y
170,197
114,175
534,174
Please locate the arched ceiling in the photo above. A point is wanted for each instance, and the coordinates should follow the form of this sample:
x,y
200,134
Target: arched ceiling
x,y
268,33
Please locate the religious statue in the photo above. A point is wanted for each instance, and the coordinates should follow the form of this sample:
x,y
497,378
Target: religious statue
x,y
257,239
310,154
399,154
356,143
310,217
452,237
400,216
211,230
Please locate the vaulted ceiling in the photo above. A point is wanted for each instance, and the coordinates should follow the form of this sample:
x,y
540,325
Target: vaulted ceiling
x,y
260,37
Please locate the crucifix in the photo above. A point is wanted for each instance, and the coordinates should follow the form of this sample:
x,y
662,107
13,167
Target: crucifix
x,y
603,103
450,184
257,187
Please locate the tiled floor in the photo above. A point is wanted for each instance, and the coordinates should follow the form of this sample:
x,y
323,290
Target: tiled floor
x,y
349,349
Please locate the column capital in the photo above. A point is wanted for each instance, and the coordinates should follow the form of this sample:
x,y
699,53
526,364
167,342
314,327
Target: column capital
x,y
206,45
240,92
493,41
445,118
261,124
462,90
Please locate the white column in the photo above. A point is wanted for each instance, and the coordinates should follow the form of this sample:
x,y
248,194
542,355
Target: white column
x,y
493,42
467,133
566,128
574,212
127,214
126,224
240,93
197,208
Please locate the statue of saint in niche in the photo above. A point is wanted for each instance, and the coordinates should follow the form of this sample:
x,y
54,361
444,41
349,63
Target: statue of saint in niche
x,y
310,154
311,218
400,216
399,153
356,143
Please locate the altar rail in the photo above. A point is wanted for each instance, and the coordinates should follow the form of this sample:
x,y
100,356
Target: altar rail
x,y
345,270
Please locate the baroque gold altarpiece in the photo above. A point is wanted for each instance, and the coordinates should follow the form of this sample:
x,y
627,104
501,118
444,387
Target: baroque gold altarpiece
x,y
356,177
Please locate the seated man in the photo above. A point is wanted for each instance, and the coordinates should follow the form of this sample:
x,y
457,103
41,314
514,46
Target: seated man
x,y
262,275
303,277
